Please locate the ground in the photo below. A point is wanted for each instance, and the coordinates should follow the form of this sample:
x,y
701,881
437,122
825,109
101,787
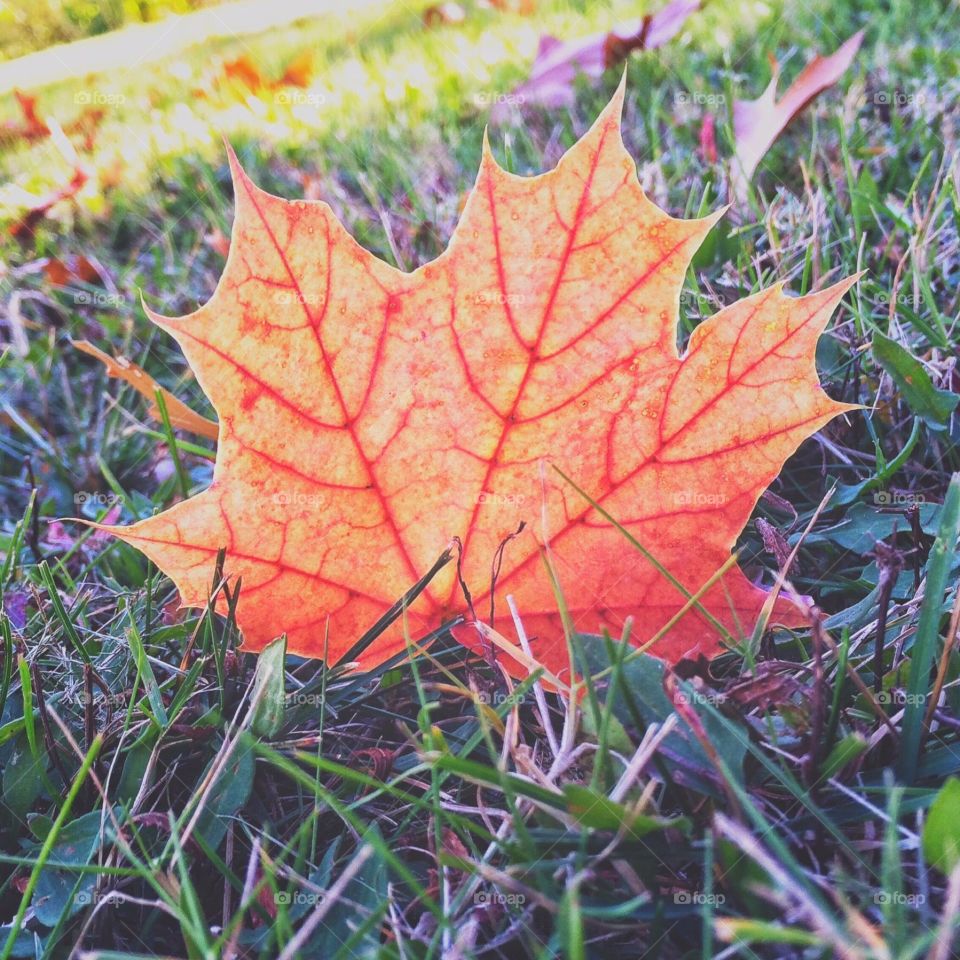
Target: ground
x,y
795,800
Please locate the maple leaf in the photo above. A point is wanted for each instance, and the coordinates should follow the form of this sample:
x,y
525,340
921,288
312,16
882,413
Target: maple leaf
x,y
368,415
758,123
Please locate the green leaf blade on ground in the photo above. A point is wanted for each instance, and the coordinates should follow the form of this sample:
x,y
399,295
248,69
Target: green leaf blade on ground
x,y
933,405
941,832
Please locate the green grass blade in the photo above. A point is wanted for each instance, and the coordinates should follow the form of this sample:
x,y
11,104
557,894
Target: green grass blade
x,y
928,633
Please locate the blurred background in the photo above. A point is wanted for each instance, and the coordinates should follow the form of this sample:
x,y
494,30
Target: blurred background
x,y
111,93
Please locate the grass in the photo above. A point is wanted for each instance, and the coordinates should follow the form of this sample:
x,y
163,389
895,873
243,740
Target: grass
x,y
163,795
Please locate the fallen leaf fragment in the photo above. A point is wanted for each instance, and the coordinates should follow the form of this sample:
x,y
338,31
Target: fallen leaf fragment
x,y
217,242
57,272
181,416
244,71
443,15
523,7
14,605
36,207
758,123
299,71
708,139
62,273
558,63
33,126
369,415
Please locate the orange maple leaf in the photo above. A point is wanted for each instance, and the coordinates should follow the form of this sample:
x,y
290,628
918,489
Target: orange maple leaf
x,y
368,416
